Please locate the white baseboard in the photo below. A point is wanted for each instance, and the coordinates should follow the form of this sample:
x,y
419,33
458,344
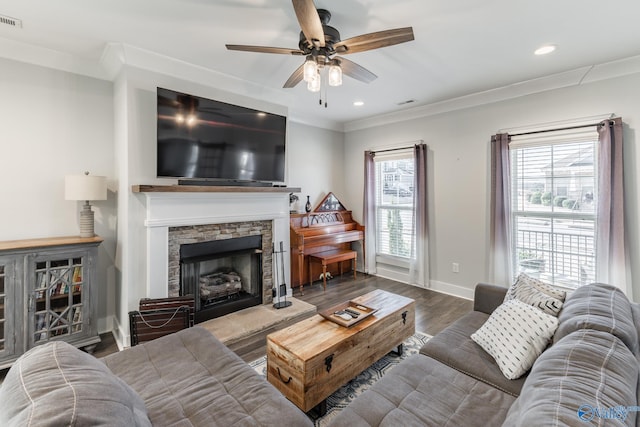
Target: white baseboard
x,y
390,274
119,335
455,290
434,285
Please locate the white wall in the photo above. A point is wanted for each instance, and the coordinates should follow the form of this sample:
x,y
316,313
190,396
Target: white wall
x,y
54,124
459,164
316,163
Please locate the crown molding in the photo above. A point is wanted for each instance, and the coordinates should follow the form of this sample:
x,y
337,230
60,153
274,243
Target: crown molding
x,y
49,58
579,76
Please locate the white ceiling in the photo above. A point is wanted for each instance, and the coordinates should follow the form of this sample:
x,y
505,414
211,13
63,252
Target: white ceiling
x,y
461,47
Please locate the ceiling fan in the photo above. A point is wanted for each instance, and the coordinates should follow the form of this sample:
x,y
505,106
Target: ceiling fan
x,y
321,44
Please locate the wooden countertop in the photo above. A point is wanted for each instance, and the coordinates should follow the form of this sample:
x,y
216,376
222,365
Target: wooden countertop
x,y
47,241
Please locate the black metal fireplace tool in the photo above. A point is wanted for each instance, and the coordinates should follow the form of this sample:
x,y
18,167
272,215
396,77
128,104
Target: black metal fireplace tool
x,y
280,291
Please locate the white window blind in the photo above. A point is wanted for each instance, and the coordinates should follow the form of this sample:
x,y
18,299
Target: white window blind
x,y
554,204
394,204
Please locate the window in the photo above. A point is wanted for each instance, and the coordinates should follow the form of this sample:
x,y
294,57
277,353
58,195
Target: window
x,y
394,204
554,206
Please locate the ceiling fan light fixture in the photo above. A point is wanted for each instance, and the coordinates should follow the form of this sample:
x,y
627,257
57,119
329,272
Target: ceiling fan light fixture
x,y
335,75
310,69
314,84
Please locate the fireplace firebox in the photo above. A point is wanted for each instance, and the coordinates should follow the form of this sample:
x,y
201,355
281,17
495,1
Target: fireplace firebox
x,y
222,275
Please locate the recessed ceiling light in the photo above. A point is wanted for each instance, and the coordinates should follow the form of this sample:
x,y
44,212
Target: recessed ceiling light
x,y
358,103
543,50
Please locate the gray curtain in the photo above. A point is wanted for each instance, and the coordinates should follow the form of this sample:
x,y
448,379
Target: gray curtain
x,y
500,253
610,244
419,269
369,212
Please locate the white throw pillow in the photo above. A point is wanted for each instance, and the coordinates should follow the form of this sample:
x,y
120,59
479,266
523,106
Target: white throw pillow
x,y
544,287
536,293
515,335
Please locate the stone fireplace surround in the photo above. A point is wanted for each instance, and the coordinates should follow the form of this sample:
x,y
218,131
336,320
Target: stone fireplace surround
x,y
212,232
239,208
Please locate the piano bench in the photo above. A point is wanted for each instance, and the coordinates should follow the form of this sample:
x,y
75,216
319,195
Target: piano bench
x,y
330,257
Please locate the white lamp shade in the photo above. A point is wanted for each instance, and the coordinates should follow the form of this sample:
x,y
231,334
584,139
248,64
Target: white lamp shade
x,y
85,187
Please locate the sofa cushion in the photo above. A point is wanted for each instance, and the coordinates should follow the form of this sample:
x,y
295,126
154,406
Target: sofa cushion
x,y
536,293
191,378
600,307
587,370
515,335
455,348
421,391
56,384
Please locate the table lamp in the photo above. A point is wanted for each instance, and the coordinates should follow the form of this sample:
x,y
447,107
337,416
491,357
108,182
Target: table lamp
x,y
85,187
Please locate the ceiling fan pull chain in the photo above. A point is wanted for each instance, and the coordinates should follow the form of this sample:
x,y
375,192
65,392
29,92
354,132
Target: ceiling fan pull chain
x,y
326,97
321,87
326,90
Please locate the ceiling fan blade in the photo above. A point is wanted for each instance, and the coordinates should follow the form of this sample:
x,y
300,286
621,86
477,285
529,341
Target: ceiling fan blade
x,y
356,71
295,78
265,49
309,22
374,40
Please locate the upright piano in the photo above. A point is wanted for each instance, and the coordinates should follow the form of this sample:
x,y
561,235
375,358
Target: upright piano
x,y
329,226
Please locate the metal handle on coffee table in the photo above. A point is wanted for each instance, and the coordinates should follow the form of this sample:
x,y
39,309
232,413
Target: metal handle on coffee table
x,y
404,317
281,378
327,362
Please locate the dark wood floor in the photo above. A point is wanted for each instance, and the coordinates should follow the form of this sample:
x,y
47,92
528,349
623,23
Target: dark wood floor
x,y
434,310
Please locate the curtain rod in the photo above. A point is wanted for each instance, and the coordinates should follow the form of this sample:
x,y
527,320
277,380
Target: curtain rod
x,y
392,149
553,130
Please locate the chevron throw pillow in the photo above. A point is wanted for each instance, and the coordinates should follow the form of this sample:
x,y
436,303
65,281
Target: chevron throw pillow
x,y
536,293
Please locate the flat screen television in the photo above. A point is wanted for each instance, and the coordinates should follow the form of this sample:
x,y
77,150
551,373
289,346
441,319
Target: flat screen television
x,y
218,143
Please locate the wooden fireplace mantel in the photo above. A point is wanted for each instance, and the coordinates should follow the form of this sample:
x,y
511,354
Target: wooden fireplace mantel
x,y
142,188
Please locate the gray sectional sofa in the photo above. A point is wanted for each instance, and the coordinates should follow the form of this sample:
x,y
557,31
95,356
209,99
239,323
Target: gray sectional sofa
x,y
184,379
589,375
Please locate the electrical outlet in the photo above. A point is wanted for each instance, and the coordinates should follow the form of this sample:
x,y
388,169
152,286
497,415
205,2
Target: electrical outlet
x,y
455,267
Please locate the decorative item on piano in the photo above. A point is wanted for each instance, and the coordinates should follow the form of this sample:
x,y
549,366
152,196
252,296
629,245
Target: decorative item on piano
x,y
307,206
293,202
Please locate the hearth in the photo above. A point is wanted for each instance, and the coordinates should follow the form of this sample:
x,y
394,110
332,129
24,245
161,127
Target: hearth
x,y
223,275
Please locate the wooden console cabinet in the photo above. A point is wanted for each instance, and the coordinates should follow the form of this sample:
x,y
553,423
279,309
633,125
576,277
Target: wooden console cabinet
x,y
46,293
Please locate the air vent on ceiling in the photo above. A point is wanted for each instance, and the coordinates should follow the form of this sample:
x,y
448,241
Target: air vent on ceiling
x,y
408,101
7,20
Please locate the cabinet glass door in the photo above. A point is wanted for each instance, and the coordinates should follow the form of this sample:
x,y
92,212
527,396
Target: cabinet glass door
x,y
57,298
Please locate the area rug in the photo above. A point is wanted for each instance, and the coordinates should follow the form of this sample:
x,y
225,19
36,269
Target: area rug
x,y
341,398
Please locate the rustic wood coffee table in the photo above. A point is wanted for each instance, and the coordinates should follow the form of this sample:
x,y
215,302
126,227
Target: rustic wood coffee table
x,y
311,359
